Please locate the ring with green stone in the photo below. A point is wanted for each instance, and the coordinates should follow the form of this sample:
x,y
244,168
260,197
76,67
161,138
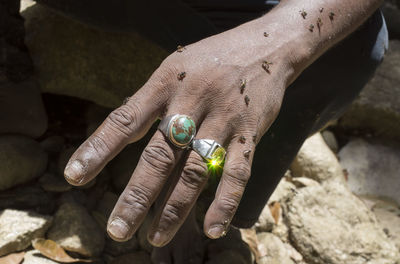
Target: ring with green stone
x,y
209,150
179,129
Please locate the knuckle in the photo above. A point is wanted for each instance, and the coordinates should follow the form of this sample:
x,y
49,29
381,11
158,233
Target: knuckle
x,y
171,214
158,155
238,173
137,198
123,119
228,205
194,174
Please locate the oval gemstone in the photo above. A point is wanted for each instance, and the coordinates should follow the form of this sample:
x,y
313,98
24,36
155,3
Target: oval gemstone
x,y
218,156
183,129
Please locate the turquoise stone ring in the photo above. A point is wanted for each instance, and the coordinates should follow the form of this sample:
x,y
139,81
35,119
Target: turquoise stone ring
x,y
179,129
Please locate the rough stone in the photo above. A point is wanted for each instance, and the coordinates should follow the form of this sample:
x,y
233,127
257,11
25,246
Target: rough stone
x,y
391,12
18,228
265,222
373,169
21,160
330,140
75,230
316,161
119,248
34,257
330,225
275,251
53,144
76,69
377,109
52,183
136,257
142,233
104,208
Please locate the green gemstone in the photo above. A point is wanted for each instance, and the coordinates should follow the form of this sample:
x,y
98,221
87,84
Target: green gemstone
x,y
218,156
183,130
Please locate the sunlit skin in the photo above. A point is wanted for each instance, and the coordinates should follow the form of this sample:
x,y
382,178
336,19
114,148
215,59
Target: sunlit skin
x,y
210,93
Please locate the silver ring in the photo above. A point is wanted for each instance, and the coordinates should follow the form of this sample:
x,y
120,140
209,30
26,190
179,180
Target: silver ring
x,y
209,150
179,129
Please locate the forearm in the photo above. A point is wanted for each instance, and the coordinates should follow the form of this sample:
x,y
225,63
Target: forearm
x,y
307,28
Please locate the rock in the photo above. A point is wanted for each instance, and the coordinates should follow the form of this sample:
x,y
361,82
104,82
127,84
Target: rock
x,y
76,69
265,222
316,161
52,183
228,257
284,190
119,248
63,159
140,257
34,257
330,140
377,109
28,198
142,233
388,215
18,228
391,12
75,230
373,169
95,115
330,225
21,109
273,250
53,144
21,160
104,208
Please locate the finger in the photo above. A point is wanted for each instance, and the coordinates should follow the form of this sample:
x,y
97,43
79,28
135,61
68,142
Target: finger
x,y
192,180
155,165
234,178
124,125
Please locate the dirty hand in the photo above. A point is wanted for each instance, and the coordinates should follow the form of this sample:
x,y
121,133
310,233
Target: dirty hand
x,y
232,86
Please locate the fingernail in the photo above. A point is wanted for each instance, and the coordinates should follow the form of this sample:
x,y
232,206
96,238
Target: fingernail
x,y
118,229
73,172
158,239
216,231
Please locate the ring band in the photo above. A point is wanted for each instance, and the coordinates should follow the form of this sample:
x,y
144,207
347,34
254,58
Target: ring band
x,y
209,150
179,129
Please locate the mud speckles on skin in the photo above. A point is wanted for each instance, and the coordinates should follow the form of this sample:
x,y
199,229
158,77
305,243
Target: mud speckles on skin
x,y
331,16
247,100
126,100
319,24
311,28
266,34
180,48
242,139
303,13
181,76
242,85
255,139
246,154
266,67
321,10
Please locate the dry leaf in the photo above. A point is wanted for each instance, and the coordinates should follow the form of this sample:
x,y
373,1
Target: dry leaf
x,y
14,258
249,236
275,208
53,251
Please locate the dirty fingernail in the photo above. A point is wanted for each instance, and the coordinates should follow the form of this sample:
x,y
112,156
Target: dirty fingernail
x,y
158,239
216,231
73,172
118,229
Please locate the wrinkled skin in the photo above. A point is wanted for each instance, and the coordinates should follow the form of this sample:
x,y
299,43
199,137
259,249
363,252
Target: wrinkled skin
x,y
210,94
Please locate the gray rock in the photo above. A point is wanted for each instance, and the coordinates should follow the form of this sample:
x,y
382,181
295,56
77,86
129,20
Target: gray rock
x,y
76,69
377,109
119,248
18,228
330,225
21,160
142,233
391,12
330,140
104,208
21,109
373,169
54,183
265,222
34,257
63,159
53,144
316,161
273,249
228,257
75,230
136,257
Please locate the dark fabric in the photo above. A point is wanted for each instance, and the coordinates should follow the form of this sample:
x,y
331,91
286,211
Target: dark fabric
x,y
321,93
